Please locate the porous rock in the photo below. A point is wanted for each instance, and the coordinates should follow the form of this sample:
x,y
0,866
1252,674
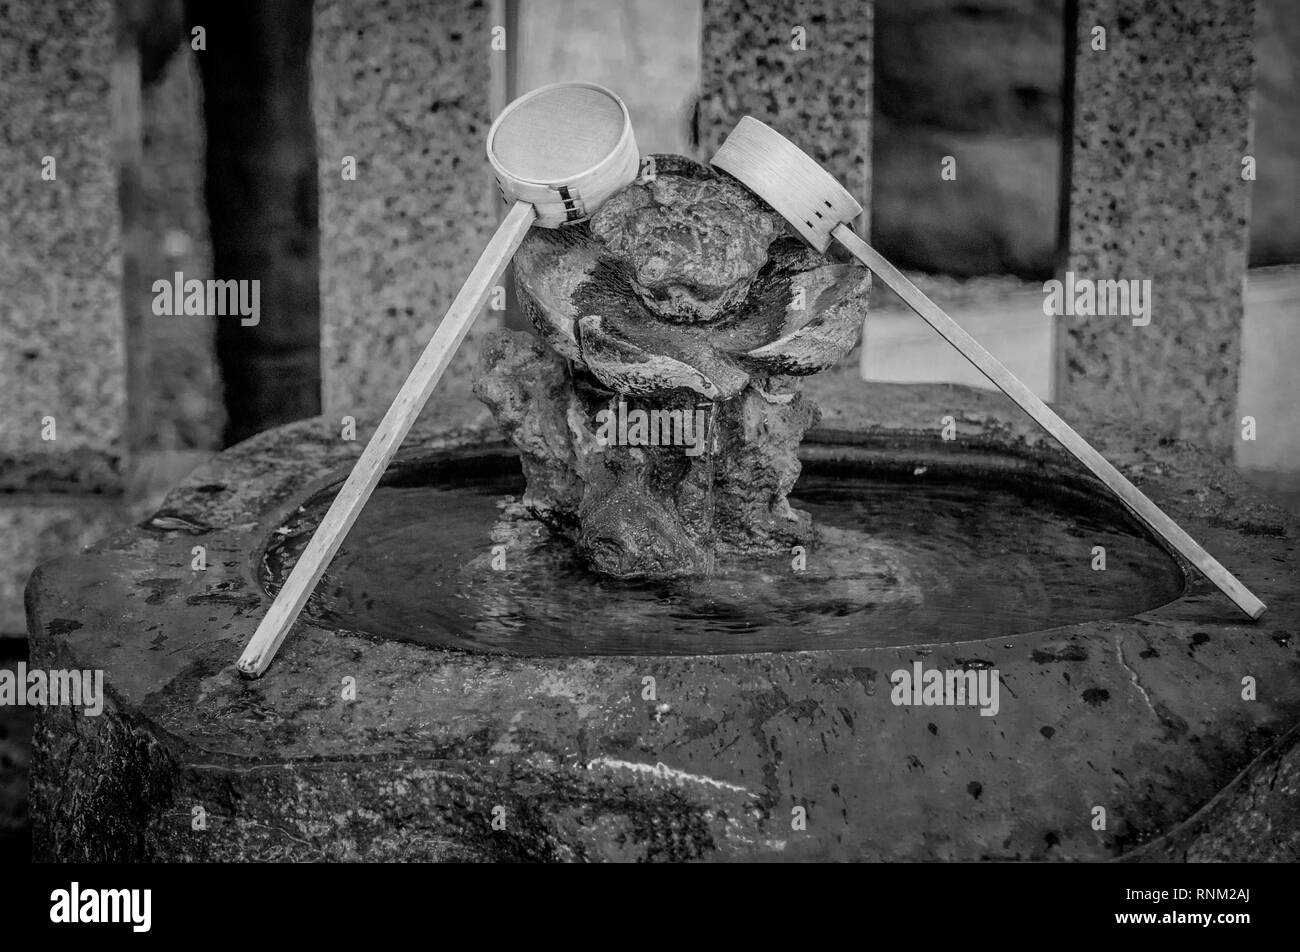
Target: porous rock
x,y
683,296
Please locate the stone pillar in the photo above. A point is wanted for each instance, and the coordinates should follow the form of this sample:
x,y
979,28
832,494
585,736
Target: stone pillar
x,y
61,329
1160,123
63,365
402,88
804,69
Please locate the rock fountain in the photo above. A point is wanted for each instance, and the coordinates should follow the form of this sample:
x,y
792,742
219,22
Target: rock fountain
x,y
664,618
659,415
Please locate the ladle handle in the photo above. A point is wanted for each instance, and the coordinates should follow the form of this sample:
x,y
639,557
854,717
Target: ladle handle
x,y
396,423
1043,415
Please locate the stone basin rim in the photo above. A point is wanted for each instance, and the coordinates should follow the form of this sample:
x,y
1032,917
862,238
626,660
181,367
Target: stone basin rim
x,y
447,700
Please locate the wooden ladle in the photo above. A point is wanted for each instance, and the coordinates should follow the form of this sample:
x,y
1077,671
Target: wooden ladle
x,y
821,210
558,153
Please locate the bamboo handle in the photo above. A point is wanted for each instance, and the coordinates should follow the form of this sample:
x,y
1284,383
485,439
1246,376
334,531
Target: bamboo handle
x,y
397,422
1008,383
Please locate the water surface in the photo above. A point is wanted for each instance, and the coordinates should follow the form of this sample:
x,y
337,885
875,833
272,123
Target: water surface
x,y
896,562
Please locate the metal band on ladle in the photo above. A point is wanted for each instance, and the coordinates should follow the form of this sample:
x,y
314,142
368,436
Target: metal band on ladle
x,y
565,178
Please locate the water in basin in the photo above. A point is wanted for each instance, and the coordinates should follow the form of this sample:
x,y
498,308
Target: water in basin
x,y
897,561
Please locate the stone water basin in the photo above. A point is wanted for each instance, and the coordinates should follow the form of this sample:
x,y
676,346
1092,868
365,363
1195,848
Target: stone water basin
x,y
702,721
